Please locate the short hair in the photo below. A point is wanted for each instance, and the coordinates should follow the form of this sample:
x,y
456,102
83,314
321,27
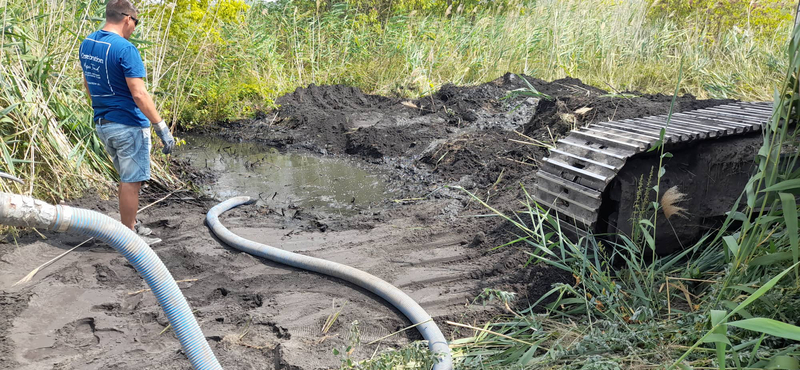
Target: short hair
x,y
115,8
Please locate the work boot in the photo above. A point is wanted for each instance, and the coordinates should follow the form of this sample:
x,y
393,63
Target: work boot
x,y
142,230
145,233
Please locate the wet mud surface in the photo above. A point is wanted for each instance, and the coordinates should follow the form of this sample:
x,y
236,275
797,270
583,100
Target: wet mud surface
x,y
89,310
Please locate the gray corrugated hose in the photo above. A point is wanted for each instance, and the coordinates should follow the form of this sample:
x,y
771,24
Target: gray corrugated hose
x,y
436,340
18,210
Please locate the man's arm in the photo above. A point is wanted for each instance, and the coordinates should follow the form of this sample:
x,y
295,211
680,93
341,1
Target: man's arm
x,y
143,99
145,103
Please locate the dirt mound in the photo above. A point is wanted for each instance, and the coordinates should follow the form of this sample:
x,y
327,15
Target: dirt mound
x,y
573,104
487,138
481,134
327,114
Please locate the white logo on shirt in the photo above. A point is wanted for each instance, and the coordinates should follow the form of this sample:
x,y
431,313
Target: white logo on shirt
x,y
92,65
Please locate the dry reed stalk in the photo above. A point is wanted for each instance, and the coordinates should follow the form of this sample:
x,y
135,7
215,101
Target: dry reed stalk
x,y
12,178
160,200
35,271
398,332
669,200
332,318
489,331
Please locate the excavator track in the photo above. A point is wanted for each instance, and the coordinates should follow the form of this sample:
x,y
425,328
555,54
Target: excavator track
x,y
573,179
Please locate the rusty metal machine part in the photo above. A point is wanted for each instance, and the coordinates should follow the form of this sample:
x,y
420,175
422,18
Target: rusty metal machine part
x,y
593,174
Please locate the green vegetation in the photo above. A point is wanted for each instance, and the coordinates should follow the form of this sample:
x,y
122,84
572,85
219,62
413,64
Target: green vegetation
x,y
211,61
712,17
730,300
46,134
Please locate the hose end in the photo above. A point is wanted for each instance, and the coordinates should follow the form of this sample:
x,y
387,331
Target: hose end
x,y
63,218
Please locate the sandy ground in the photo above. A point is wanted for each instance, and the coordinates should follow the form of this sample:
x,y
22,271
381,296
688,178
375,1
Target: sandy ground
x,y
84,311
87,311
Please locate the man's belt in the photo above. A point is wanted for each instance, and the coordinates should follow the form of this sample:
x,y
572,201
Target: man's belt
x,y
101,121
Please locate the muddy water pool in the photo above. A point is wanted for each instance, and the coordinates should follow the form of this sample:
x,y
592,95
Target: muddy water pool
x,y
283,180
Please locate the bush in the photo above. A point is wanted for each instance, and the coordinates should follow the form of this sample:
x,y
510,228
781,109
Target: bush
x,y
714,17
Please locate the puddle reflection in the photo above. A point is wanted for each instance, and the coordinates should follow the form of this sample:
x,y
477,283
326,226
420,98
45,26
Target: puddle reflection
x,y
282,179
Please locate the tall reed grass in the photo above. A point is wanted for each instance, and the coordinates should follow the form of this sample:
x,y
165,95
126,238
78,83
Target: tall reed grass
x,y
610,44
46,135
601,42
210,61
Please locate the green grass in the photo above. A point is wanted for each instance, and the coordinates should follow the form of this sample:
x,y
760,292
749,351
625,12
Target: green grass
x,y
43,139
598,41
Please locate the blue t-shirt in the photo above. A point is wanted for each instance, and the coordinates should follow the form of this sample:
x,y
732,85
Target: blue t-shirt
x,y
106,59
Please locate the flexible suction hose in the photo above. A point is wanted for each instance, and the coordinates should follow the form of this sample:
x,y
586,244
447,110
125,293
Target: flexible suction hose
x,y
436,340
18,210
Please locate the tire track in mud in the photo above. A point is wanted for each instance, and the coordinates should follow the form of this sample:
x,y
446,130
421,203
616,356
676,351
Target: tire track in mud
x,y
433,265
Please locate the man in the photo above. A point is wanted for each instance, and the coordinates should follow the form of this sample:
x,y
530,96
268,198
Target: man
x,y
123,110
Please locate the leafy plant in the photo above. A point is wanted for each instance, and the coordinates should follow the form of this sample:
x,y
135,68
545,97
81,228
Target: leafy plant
x,y
528,91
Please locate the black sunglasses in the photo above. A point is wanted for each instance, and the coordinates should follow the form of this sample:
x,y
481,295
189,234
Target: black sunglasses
x,y
135,20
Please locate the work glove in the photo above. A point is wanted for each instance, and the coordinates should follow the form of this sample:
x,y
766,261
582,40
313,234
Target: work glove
x,y
162,130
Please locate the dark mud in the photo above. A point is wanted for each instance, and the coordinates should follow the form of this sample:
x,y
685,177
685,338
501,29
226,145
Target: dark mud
x,y
468,134
87,311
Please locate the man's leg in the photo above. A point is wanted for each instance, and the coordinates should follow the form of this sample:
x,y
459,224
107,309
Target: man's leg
x,y
129,202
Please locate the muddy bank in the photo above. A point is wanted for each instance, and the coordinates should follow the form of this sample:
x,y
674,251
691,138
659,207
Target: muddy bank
x,y
467,134
88,311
